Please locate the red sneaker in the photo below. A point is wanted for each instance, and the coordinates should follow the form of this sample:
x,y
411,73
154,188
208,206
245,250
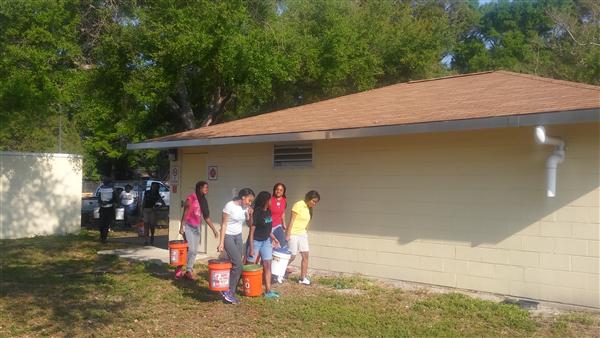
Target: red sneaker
x,y
178,273
189,275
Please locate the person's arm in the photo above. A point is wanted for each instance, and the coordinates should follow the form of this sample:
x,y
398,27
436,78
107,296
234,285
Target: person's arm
x,y
212,226
185,209
160,199
288,231
251,240
249,215
276,243
223,229
283,217
206,215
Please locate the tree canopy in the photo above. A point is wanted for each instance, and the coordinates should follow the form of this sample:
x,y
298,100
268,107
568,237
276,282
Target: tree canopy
x,y
91,76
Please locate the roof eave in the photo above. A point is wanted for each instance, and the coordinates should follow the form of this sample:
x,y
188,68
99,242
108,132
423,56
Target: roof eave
x,y
573,116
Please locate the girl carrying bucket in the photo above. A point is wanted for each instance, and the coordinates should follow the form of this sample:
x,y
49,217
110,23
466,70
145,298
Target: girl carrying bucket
x,y
194,209
296,234
235,213
277,207
261,239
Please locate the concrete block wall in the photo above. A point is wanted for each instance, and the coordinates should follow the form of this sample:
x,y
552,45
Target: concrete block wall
x,y
458,209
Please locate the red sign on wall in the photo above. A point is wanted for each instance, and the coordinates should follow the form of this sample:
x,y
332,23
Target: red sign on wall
x,y
213,173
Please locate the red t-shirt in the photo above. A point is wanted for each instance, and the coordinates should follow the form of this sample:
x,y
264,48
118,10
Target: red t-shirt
x,y
277,210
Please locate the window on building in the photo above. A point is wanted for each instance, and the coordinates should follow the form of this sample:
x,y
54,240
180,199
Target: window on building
x,y
292,155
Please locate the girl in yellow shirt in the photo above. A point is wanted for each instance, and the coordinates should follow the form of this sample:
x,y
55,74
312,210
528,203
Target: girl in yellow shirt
x,y
296,234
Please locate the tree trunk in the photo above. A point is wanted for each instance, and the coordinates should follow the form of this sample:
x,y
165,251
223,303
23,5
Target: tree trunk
x,y
216,106
181,105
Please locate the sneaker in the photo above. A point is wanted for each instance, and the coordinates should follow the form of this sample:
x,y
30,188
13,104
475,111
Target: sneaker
x,y
178,273
189,275
304,281
280,279
234,299
226,297
271,294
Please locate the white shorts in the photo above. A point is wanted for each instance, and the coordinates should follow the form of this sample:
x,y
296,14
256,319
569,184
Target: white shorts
x,y
298,243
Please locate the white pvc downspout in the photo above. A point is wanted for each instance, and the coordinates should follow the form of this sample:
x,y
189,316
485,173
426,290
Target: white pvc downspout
x,y
557,157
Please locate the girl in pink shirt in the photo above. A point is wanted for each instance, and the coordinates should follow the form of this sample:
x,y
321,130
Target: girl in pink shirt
x,y
194,209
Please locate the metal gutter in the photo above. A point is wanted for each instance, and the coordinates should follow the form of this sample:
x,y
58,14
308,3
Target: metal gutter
x,y
564,117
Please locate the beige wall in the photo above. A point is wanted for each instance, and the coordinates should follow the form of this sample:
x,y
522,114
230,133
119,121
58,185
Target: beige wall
x,y
40,194
460,209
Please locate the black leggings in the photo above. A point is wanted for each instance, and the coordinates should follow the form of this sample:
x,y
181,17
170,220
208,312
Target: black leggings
x,y
107,215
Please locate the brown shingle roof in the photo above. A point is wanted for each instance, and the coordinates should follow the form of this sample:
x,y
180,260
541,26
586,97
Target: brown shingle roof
x,y
470,96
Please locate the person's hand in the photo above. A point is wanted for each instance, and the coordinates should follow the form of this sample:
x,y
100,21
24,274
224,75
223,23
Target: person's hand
x,y
181,232
220,248
287,238
251,250
276,244
216,233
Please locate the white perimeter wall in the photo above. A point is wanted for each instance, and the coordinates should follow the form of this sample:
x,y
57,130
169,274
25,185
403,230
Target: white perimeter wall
x,y
40,194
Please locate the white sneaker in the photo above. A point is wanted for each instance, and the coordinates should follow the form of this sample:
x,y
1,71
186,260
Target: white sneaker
x,y
304,281
280,279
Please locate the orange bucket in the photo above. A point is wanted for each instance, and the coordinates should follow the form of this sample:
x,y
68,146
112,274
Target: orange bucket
x,y
218,274
178,252
252,280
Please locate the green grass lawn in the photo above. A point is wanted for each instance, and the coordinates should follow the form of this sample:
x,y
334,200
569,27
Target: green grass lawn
x,y
59,286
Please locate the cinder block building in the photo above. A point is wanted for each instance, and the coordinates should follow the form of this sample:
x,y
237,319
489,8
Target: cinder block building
x,y
444,181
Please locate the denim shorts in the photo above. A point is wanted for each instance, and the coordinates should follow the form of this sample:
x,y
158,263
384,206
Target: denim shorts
x,y
265,248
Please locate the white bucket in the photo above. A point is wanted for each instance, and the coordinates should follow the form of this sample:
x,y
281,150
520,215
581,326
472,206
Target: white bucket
x,y
279,263
97,213
120,214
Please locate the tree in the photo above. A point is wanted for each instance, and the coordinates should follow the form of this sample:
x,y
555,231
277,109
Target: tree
x,y
553,38
38,53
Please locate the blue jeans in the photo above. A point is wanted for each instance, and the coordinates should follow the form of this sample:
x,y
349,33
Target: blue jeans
x,y
279,233
129,209
192,235
264,248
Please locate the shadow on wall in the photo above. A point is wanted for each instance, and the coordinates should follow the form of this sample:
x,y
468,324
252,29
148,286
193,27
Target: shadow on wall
x,y
41,194
468,188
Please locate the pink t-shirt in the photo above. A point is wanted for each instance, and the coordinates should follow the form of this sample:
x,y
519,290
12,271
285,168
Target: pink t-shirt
x,y
277,210
193,216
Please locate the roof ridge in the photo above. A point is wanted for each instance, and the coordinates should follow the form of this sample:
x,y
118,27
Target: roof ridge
x,y
447,77
550,80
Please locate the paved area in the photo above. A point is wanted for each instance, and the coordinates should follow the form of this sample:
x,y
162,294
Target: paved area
x,y
141,253
157,253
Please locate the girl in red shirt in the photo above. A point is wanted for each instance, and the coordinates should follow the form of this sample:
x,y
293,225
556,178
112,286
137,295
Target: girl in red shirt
x,y
277,206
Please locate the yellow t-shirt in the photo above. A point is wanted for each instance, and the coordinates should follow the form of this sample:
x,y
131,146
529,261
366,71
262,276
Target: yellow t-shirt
x,y
302,218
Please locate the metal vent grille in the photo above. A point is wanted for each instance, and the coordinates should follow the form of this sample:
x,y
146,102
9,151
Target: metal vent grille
x,y
292,155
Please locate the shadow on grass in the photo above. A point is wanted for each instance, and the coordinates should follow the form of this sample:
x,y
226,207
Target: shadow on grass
x,y
57,284
197,290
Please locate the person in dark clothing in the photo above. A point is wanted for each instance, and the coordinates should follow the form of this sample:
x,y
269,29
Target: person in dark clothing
x,y
107,200
261,239
152,201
